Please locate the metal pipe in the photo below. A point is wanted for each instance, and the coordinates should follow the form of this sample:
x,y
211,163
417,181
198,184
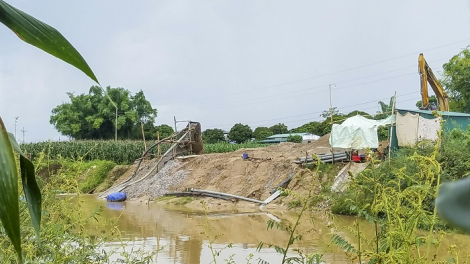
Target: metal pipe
x,y
229,195
196,194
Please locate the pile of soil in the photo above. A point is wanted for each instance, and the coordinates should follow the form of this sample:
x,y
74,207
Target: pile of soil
x,y
230,173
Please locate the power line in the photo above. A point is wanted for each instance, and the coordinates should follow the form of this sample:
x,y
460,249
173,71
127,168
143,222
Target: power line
x,y
237,104
319,112
318,118
332,73
257,99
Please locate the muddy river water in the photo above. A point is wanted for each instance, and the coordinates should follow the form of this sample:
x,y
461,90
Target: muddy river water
x,y
179,233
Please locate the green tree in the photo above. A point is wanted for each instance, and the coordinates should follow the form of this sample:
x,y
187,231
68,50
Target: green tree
x,y
279,129
294,138
240,133
213,135
456,80
92,115
386,108
262,133
432,100
164,131
327,113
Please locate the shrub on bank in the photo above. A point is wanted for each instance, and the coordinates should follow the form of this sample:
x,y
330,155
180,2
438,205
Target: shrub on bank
x,y
404,173
95,175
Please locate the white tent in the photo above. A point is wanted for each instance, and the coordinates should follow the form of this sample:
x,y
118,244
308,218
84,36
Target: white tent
x,y
357,132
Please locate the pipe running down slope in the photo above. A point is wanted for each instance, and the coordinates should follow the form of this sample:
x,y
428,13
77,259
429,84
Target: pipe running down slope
x,y
188,140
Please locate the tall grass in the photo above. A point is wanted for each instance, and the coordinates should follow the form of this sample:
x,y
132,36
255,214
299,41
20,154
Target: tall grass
x,y
120,152
70,232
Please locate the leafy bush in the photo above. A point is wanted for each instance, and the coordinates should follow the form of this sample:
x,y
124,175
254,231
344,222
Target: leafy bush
x,y
213,135
294,138
240,133
454,155
386,175
262,133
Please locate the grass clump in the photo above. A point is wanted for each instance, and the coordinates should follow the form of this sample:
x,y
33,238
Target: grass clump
x,y
70,231
111,177
397,198
95,174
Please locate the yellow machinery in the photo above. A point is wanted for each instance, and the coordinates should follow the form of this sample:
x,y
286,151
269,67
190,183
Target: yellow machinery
x,y
427,75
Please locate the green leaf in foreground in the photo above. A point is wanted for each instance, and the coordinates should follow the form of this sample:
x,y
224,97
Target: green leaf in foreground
x,y
42,36
9,205
30,186
453,203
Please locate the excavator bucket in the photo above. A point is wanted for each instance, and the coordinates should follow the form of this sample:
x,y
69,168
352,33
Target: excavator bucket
x,y
197,146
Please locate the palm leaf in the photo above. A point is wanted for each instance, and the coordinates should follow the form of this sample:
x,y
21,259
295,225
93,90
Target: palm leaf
x,y
42,36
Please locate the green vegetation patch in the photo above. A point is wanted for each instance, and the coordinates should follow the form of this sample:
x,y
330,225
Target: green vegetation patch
x,y
119,152
95,175
111,177
227,147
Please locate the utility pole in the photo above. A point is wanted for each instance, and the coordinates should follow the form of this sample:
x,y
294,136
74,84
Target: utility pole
x,y
331,107
176,129
115,127
331,119
24,131
391,128
16,120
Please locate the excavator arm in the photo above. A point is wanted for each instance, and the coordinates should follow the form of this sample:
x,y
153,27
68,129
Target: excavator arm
x,y
427,76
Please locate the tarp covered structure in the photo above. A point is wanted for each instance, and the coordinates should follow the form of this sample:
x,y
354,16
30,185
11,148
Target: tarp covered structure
x,y
358,132
413,128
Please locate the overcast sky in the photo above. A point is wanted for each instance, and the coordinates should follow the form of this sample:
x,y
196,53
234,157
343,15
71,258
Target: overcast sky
x,y
226,62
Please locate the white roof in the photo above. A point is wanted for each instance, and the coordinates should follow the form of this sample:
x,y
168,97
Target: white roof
x,y
360,121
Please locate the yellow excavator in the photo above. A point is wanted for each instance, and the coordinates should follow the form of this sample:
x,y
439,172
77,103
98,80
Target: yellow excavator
x,y
427,75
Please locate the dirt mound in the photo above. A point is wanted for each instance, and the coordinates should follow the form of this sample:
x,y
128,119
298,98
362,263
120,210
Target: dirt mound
x,y
229,172
254,178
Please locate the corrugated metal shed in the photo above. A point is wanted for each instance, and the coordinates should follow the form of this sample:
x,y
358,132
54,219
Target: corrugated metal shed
x,y
287,135
273,141
451,120
279,138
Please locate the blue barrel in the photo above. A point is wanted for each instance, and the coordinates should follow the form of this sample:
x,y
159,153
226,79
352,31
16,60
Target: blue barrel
x,y
245,155
116,197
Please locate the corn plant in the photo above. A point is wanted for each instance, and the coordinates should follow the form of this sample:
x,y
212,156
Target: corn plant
x,y
48,39
227,147
120,152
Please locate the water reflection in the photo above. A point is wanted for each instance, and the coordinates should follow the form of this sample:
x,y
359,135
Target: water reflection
x,y
115,206
180,232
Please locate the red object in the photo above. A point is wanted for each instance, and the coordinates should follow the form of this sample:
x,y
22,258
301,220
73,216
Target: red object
x,y
356,158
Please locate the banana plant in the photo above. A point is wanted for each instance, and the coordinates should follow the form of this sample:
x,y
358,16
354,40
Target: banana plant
x,y
48,39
